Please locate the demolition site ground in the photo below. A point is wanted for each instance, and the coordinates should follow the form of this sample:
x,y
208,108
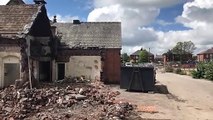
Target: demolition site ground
x,y
65,101
176,98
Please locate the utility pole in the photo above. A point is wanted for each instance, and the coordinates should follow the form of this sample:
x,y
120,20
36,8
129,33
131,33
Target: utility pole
x,y
149,55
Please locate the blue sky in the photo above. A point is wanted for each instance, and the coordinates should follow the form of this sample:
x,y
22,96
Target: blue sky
x,y
70,8
166,20
81,8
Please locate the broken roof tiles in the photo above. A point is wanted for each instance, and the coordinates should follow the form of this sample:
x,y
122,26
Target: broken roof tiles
x,y
17,19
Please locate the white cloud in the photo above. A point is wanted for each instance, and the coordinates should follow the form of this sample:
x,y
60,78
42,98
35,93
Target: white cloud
x,y
134,15
137,3
198,15
3,2
163,23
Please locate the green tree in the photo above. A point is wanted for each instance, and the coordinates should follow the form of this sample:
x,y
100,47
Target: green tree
x,y
143,56
183,48
125,57
187,47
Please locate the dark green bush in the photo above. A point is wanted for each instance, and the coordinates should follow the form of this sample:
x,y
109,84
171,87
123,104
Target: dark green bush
x,y
204,70
197,74
201,67
169,69
209,71
200,72
178,71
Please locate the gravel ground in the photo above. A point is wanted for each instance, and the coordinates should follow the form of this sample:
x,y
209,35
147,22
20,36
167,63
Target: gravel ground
x,y
177,98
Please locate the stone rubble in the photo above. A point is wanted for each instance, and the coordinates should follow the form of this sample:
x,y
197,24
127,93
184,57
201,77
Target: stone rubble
x,y
90,101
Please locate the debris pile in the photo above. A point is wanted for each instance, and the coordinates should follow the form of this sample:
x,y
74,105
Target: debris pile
x,y
80,79
79,102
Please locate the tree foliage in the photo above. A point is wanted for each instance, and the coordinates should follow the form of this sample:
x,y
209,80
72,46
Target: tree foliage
x,y
143,56
125,57
184,47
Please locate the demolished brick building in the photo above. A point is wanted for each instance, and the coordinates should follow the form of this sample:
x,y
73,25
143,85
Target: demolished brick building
x,y
25,40
32,47
91,49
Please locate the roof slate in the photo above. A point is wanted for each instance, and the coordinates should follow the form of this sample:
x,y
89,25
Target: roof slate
x,y
91,34
159,56
138,52
209,51
17,19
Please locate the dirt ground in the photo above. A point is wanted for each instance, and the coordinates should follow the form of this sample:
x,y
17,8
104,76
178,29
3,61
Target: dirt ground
x,y
186,99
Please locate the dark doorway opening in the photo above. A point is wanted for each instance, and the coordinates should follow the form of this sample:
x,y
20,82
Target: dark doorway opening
x,y
11,73
44,72
61,71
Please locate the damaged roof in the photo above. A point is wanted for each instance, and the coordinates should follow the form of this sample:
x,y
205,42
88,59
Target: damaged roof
x,y
90,34
15,2
17,19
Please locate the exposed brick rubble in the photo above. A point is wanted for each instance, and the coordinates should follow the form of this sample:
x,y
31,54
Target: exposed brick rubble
x,y
82,101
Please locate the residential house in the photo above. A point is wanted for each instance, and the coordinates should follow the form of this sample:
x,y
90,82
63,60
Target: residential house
x,y
89,49
135,56
25,42
158,59
205,56
171,56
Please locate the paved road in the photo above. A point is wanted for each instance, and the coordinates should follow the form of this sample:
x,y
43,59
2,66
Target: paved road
x,y
189,99
194,96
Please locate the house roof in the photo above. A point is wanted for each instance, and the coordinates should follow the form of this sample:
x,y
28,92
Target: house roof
x,y
159,56
17,19
15,2
90,34
207,51
138,52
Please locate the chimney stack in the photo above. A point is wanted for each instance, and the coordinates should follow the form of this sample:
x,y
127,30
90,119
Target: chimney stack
x,y
54,19
76,22
39,2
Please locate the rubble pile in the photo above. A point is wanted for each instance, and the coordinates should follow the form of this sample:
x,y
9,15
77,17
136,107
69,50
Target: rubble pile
x,y
75,102
74,80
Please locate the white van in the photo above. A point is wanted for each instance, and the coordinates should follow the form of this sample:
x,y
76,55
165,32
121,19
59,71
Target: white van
x,y
128,64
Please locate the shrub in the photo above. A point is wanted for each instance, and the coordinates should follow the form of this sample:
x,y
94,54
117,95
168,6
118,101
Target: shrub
x,y
178,71
200,72
197,74
209,71
201,67
169,69
183,73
